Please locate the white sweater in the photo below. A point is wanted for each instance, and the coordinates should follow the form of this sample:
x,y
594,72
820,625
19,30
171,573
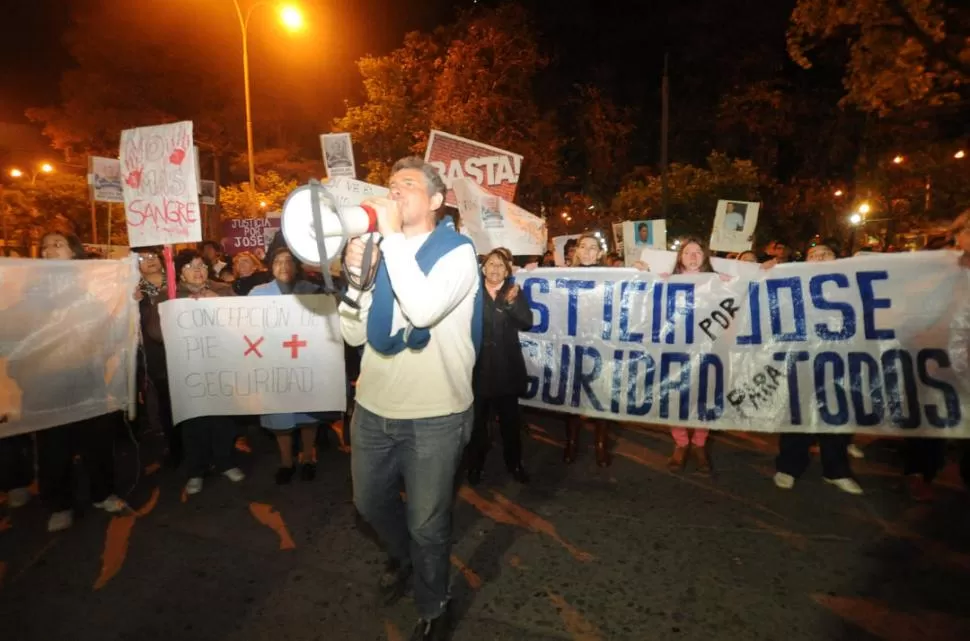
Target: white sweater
x,y
436,380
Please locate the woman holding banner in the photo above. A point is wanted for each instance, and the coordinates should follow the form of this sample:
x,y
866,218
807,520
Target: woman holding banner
x,y
208,441
587,254
288,279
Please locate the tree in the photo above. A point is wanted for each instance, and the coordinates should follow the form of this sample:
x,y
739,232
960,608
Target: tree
x,y
902,54
237,201
57,202
694,192
604,130
473,79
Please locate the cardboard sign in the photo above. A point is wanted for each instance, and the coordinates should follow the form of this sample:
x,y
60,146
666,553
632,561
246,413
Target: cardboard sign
x,y
734,225
641,234
209,192
349,191
338,155
494,169
248,234
492,222
254,355
160,185
104,180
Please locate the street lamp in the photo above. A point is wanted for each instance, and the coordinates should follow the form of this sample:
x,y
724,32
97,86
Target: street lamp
x,y
855,218
43,168
960,155
898,160
839,193
292,19
864,208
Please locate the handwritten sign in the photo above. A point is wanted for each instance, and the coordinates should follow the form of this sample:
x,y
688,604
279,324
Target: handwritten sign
x,y
261,355
160,184
349,191
496,170
104,180
247,234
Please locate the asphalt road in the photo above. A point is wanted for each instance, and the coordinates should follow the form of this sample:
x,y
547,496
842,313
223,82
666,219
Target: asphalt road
x,y
630,552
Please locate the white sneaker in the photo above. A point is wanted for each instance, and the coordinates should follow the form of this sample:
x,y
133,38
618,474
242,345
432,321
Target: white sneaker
x,y
847,485
60,521
855,451
194,486
112,505
18,497
234,474
784,481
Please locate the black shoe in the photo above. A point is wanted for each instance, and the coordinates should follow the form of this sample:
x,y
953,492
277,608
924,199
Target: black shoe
x,y
519,474
308,471
393,583
437,629
285,474
474,476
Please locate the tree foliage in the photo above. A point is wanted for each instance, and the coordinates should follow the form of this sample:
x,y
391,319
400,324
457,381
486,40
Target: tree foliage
x,y
473,79
238,201
901,53
694,192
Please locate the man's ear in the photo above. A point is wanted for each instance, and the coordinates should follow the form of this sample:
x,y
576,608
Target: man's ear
x,y
436,201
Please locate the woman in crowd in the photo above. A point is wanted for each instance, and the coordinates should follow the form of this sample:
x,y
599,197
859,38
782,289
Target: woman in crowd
x,y
500,377
793,455
92,440
155,375
249,273
288,279
208,441
587,254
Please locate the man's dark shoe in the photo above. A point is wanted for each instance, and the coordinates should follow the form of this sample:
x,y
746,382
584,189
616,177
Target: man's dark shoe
x,y
437,629
393,583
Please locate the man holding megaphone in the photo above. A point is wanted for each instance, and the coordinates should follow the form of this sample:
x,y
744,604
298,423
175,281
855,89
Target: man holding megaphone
x,y
421,325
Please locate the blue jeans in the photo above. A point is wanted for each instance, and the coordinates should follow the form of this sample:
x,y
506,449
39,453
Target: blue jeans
x,y
425,453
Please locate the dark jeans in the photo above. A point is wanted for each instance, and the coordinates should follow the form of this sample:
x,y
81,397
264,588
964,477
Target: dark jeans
x,y
924,456
208,441
793,454
425,453
16,462
93,440
510,423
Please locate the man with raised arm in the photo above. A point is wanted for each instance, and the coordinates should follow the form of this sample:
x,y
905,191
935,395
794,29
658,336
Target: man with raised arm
x,y
421,327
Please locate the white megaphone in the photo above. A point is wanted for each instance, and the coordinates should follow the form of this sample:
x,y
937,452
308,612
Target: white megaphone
x,y
300,230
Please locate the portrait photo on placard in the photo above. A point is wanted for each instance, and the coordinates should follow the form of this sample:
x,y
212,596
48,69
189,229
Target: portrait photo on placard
x,y
734,225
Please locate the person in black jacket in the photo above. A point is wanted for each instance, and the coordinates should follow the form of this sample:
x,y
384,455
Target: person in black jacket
x,y
499,376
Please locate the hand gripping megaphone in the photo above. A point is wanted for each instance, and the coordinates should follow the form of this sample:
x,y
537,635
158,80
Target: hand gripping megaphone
x,y
316,229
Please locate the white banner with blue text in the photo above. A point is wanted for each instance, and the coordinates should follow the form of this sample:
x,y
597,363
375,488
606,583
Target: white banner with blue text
x,y
253,355
875,344
68,341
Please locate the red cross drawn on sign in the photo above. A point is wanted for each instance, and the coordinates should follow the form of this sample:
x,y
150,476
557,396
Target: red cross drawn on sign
x,y
253,347
294,344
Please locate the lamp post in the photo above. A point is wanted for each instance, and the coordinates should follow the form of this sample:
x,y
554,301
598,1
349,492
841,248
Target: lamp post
x,y
292,19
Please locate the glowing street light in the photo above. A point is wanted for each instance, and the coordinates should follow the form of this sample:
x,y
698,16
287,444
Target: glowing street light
x,y
855,218
898,160
291,17
262,204
960,155
43,168
864,208
16,173
47,168
839,193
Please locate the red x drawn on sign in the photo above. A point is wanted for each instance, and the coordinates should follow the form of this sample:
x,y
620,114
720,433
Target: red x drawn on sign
x,y
253,347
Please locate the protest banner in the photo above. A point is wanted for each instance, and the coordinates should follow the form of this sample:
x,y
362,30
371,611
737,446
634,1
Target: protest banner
x,y
104,180
68,341
871,345
160,185
734,225
208,192
338,155
492,222
494,169
254,355
640,234
248,234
